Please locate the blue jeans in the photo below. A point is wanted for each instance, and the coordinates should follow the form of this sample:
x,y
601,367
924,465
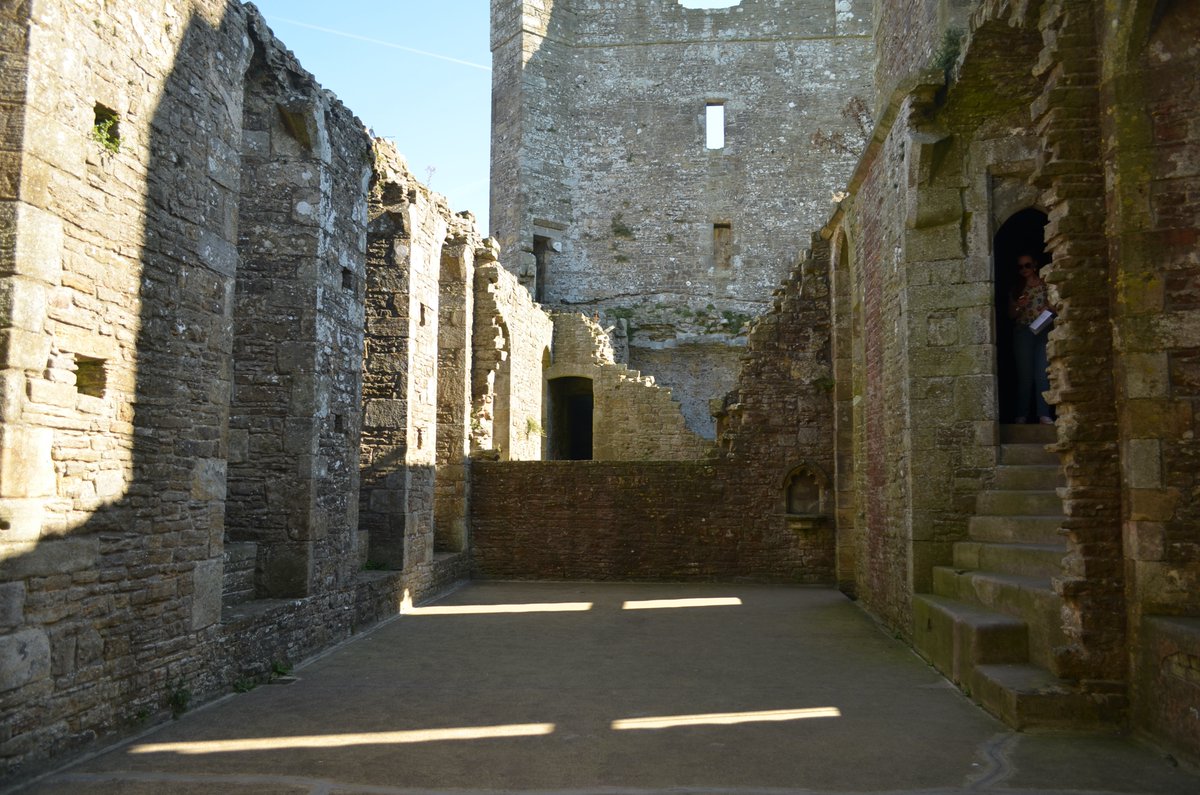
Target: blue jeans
x,y
1030,352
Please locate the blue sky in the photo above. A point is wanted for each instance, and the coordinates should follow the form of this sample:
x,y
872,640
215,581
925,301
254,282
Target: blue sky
x,y
415,71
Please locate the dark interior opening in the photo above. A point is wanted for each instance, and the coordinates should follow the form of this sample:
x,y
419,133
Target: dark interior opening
x,y
541,255
571,419
1023,233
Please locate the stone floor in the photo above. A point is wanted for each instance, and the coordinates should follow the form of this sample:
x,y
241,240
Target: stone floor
x,y
570,688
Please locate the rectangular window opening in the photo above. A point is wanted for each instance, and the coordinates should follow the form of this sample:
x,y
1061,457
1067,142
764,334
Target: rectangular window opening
x,y
347,279
714,125
106,128
723,245
89,376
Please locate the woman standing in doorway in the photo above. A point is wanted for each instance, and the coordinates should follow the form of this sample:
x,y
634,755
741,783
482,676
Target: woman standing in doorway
x,y
1025,306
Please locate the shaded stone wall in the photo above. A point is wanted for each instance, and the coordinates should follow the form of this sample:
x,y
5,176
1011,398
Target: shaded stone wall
x,y
606,153
126,343
663,520
297,314
408,229
1150,93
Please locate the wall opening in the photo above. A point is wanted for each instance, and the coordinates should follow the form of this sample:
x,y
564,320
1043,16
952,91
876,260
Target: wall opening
x,y
570,412
714,125
502,398
89,376
722,245
106,128
542,247
709,4
1021,236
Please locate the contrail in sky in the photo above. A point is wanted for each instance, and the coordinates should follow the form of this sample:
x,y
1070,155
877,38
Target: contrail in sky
x,y
381,43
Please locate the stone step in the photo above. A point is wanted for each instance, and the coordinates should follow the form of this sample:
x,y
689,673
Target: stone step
x,y
1028,697
1029,476
1030,599
1027,560
1015,529
1029,433
956,637
1026,454
1011,502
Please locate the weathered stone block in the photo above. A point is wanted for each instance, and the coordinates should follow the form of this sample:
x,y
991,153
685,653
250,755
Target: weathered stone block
x,y
24,658
22,519
206,593
1143,463
385,414
23,303
12,604
26,468
934,243
48,557
208,479
24,350
38,241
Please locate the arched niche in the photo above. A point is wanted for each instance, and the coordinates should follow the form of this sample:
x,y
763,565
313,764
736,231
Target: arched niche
x,y
806,497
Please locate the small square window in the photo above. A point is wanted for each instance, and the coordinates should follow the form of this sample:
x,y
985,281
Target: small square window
x,y
89,376
106,128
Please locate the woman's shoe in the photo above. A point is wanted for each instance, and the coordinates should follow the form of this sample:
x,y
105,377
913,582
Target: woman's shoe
x,y
1045,420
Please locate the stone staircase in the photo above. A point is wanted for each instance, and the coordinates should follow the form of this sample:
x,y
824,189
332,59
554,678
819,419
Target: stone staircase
x,y
994,619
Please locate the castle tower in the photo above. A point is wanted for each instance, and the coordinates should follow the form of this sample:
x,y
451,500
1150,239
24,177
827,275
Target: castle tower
x,y
662,166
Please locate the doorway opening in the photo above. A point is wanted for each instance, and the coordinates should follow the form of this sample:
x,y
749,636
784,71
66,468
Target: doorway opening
x,y
1022,234
571,419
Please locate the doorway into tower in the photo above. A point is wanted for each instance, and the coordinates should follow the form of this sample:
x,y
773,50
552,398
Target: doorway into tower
x,y
570,415
1018,359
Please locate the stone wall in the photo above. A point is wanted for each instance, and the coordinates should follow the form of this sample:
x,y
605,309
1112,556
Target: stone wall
x,y
184,271
1049,109
611,520
409,225
607,197
733,514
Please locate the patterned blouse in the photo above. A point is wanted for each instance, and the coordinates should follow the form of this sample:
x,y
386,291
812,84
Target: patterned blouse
x,y
1038,298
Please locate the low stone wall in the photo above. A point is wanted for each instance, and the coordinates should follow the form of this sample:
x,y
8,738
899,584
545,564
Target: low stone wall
x,y
662,520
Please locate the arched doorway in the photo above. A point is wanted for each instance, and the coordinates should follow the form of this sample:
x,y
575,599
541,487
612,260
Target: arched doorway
x,y
1022,233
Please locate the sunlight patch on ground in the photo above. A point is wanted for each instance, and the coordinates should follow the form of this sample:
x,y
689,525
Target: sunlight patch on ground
x,y
659,604
346,740
478,610
725,718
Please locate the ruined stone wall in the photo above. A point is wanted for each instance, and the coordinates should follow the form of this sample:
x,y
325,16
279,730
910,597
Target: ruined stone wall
x,y
1087,115
727,515
674,244
140,269
633,418
883,453
456,312
400,388
297,319
914,35
511,340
